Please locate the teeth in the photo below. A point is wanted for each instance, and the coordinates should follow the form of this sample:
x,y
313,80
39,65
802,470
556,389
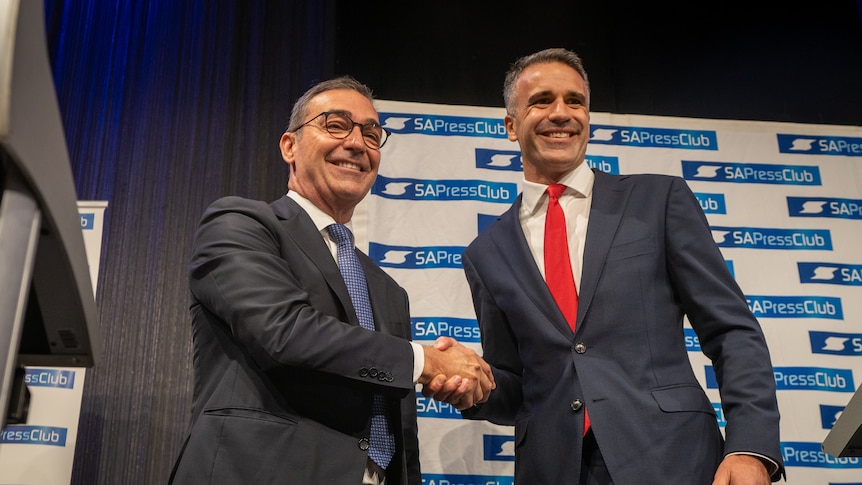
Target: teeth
x,y
558,135
349,165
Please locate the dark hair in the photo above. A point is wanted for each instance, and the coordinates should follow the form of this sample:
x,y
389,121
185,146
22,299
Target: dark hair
x,y
557,54
298,114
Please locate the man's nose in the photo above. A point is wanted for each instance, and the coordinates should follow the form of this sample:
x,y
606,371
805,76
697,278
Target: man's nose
x,y
560,111
354,139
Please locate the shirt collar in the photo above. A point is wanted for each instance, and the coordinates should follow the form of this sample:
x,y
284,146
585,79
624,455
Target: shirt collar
x,y
321,219
580,180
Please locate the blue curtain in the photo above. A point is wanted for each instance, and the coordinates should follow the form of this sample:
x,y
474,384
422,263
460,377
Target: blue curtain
x,y
167,105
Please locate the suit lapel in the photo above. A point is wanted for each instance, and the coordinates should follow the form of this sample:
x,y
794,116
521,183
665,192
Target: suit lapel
x,y
301,229
610,196
516,254
379,286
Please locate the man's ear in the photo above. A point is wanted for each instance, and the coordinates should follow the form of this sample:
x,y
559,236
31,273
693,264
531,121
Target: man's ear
x,y
288,145
509,122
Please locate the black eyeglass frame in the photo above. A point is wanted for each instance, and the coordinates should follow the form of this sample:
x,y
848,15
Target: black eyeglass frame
x,y
385,134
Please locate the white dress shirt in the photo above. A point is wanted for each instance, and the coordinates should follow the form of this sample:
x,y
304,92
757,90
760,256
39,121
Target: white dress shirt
x,y
575,201
321,221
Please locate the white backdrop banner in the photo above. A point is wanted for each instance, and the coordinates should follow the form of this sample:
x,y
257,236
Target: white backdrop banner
x,y
785,205
42,451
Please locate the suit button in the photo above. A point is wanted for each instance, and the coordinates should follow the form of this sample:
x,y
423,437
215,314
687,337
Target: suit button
x,y
580,348
373,372
363,444
577,405
363,372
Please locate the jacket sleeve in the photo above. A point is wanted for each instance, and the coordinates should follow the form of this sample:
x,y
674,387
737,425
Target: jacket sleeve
x,y
499,349
729,333
252,275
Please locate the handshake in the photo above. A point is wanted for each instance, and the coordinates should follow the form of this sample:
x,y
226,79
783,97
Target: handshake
x,y
455,374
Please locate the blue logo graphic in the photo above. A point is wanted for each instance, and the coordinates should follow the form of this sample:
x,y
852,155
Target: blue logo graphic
x,y
437,125
88,221
824,207
719,414
499,160
427,407
692,342
604,163
408,257
814,379
796,307
461,329
820,145
34,435
811,454
510,161
801,379
711,203
62,379
499,447
653,137
836,343
829,414
485,220
452,479
729,264
750,173
416,189
830,273
769,238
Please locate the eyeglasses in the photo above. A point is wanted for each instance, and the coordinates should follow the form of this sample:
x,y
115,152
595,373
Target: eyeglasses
x,y
339,126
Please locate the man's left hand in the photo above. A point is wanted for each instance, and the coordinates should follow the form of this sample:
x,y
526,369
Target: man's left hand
x,y
741,470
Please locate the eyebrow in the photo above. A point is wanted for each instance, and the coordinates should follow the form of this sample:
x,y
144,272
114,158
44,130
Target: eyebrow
x,y
548,92
540,94
348,114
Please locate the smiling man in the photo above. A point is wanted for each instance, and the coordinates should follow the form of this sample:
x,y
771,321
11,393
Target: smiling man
x,y
304,372
580,290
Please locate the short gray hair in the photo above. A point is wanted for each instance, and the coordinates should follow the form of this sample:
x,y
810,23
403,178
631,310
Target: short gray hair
x,y
556,54
298,114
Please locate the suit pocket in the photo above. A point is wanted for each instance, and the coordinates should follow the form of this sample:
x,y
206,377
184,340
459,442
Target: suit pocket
x,y
251,414
242,446
682,398
632,249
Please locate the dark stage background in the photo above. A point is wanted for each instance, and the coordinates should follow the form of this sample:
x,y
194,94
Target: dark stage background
x,y
170,104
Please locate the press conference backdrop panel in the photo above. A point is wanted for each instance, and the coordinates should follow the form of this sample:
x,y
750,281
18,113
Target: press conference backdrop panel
x,y
42,450
785,205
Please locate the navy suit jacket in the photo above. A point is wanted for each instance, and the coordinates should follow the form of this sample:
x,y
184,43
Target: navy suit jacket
x,y
649,260
284,374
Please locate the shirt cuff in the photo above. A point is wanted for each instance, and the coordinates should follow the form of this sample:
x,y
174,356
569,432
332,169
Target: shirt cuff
x,y
771,465
418,361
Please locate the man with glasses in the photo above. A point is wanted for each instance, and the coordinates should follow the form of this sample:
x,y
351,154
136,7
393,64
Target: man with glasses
x,y
304,369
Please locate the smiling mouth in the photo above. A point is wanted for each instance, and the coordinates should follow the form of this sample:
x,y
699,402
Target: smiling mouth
x,y
558,134
348,165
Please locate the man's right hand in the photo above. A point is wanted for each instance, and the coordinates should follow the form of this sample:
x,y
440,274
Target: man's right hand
x,y
455,374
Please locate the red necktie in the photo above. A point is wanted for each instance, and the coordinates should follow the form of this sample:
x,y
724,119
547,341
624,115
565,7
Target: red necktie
x,y
558,265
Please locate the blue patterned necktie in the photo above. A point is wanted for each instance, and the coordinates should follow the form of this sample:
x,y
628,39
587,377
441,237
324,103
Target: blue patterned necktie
x,y
382,442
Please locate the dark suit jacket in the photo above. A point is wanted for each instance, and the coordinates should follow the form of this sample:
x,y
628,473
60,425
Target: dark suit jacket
x,y
282,384
649,259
